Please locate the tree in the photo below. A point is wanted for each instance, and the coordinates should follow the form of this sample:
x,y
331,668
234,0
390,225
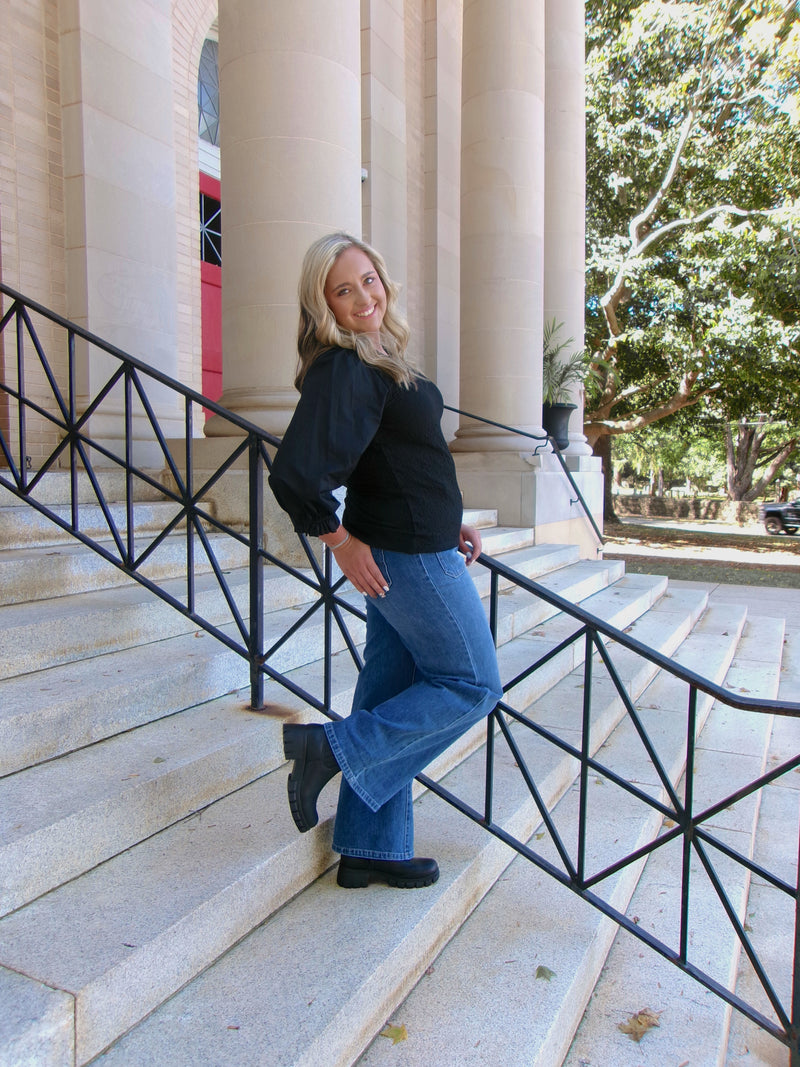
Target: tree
x,y
693,215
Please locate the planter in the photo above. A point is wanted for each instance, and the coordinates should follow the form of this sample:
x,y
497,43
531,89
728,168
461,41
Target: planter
x,y
555,420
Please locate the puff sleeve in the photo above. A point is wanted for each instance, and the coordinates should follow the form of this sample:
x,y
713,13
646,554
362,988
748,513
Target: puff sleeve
x,y
338,414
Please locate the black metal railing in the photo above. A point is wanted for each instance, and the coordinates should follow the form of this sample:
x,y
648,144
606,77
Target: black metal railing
x,y
543,441
528,763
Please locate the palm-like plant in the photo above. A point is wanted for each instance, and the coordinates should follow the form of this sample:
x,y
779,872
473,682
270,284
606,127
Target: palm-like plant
x,y
558,372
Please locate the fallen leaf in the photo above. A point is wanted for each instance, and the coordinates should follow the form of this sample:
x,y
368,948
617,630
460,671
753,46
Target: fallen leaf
x,y
544,972
395,1033
160,759
638,1025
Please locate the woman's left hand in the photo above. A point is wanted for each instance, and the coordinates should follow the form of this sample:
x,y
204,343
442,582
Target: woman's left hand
x,y
469,542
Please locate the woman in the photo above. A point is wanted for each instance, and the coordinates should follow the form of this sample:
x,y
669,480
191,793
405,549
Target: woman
x,y
367,420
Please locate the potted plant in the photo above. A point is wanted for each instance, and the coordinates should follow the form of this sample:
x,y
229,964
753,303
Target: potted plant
x,y
558,373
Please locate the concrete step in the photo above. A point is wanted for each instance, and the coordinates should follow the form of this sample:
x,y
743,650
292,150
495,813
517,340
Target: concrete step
x,y
693,1022
25,527
59,708
236,1011
80,815
33,574
768,910
61,818
46,633
62,840
536,974
770,922
481,518
55,488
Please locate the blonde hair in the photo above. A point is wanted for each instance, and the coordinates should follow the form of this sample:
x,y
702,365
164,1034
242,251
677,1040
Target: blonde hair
x,y
319,330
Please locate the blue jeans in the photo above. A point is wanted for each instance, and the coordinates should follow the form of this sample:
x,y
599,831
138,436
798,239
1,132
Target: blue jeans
x,y
430,672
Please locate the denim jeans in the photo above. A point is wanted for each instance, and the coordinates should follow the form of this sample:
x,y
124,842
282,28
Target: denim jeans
x,y
430,672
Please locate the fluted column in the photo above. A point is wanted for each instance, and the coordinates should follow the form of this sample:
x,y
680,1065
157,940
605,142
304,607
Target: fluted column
x,y
291,171
565,184
502,220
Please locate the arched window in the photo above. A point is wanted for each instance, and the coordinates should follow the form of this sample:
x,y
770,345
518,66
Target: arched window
x,y
208,92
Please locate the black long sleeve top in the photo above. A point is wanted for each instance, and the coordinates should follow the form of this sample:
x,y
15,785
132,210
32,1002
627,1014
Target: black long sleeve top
x,y
355,427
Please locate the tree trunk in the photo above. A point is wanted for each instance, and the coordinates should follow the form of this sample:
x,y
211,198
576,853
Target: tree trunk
x,y
744,456
602,448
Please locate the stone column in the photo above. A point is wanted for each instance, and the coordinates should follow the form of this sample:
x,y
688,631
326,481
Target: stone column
x,y
291,171
565,185
383,133
502,221
119,189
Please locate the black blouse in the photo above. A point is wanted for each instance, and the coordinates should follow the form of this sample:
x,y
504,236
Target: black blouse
x,y
354,426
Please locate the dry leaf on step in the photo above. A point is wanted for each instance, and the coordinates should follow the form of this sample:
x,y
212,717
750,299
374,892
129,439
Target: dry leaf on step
x,y
395,1033
638,1025
544,972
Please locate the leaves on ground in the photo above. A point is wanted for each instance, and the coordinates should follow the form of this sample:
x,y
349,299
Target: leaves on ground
x,y
395,1033
544,972
638,1025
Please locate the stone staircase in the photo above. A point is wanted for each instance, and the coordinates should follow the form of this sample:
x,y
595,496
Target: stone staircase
x,y
159,906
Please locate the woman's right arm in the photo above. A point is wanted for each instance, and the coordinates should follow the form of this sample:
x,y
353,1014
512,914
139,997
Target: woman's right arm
x,y
337,416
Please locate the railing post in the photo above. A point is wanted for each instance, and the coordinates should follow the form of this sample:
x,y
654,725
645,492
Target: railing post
x,y
794,1031
256,499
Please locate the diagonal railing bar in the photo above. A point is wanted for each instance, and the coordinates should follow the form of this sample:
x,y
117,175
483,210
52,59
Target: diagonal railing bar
x,y
537,664
45,364
786,1037
741,933
747,790
634,717
593,764
325,591
537,798
642,852
102,503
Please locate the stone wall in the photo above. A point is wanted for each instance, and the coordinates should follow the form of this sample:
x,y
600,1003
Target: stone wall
x,y
686,508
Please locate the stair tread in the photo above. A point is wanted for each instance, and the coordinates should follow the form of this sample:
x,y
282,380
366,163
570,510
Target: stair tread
x,y
731,751
59,825
322,915
443,1021
45,572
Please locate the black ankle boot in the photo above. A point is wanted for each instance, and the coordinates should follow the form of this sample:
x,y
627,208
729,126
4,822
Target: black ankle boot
x,y
355,872
314,766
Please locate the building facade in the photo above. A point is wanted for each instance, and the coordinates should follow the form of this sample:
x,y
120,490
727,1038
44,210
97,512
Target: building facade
x,y
448,133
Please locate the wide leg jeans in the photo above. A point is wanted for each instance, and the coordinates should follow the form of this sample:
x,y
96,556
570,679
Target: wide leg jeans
x,y
430,673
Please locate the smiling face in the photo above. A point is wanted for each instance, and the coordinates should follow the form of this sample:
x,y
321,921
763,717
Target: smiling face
x,y
355,294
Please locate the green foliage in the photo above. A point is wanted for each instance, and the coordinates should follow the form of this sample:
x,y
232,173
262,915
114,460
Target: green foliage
x,y
559,371
693,211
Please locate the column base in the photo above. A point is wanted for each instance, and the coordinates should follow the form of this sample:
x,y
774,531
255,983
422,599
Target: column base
x,y
269,410
533,491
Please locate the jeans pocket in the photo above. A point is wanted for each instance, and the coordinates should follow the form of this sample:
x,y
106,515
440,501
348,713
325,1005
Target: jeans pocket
x,y
451,562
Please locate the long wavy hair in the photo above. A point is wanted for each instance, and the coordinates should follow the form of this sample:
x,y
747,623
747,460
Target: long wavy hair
x,y
319,330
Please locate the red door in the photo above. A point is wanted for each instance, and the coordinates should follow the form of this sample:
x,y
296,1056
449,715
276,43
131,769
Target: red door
x,y
211,285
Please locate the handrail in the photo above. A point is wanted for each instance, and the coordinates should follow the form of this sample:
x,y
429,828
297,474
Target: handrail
x,y
545,439
321,598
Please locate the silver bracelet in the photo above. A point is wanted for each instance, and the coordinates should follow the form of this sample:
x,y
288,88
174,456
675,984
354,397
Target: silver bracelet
x,y
335,548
